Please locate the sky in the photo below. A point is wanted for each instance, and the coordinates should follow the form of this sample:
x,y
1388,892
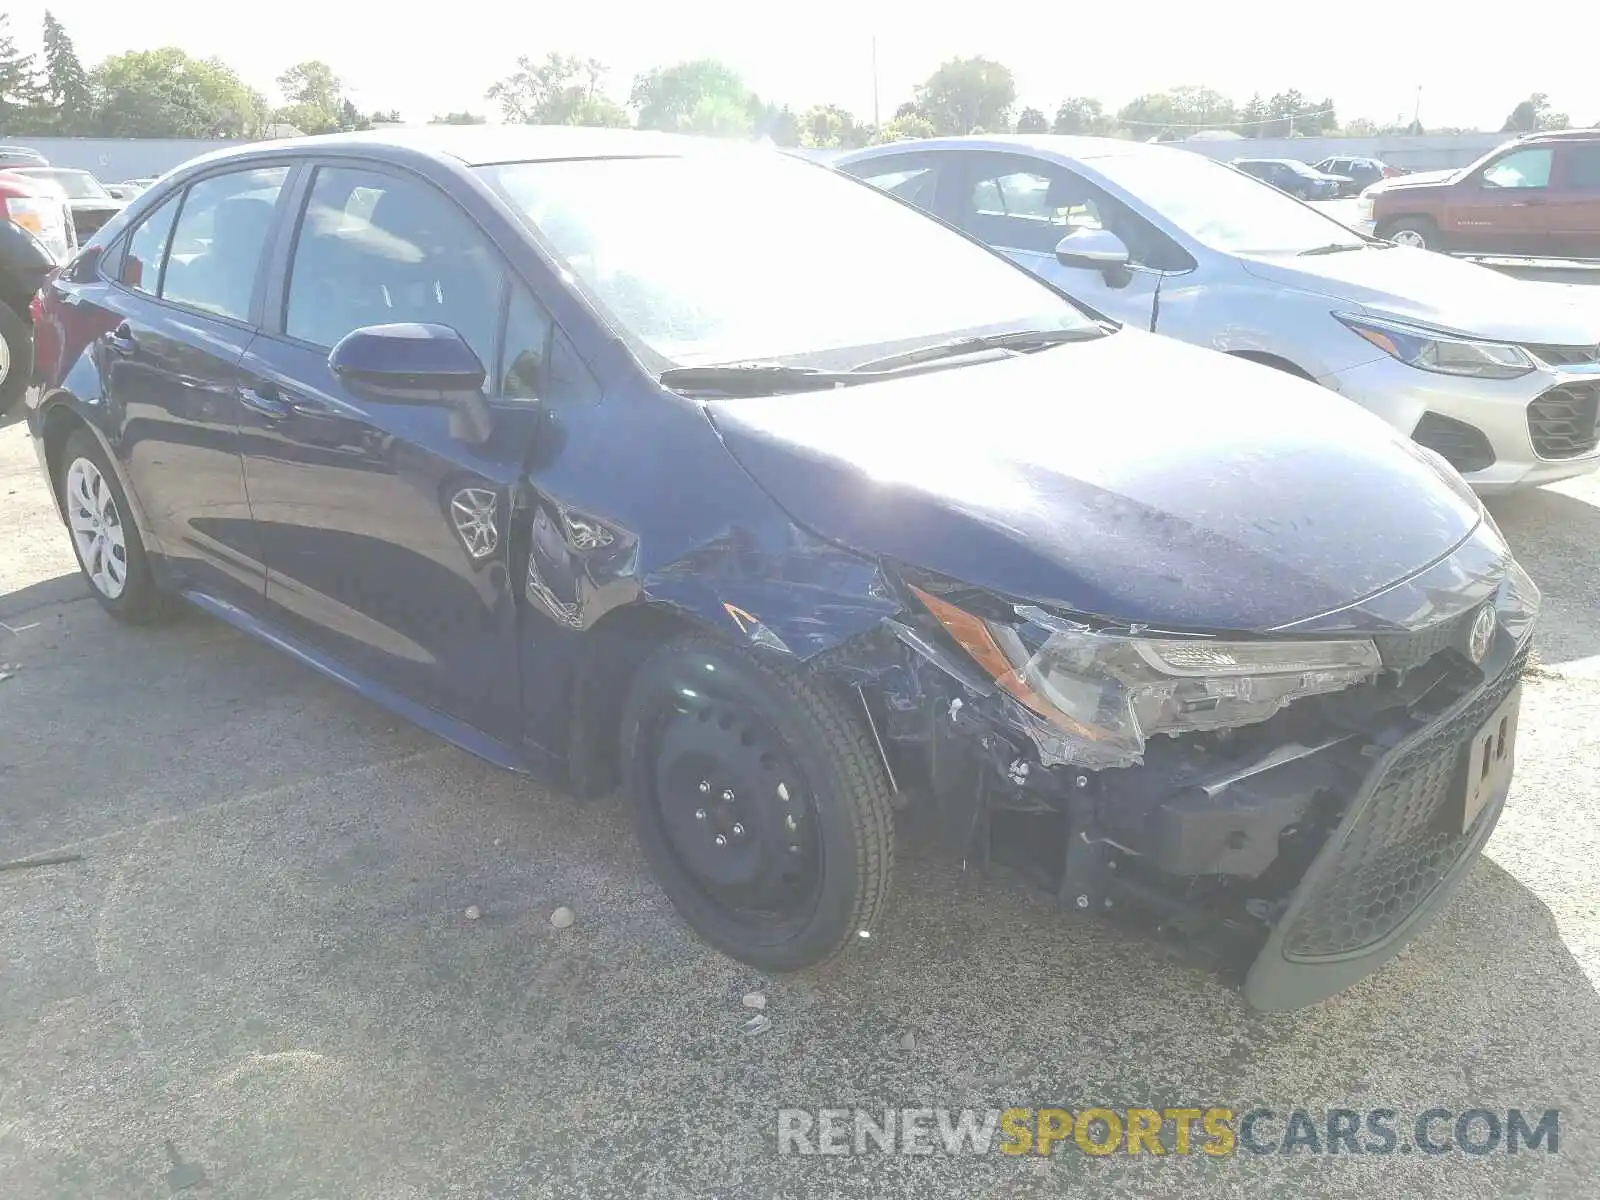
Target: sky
x,y
427,59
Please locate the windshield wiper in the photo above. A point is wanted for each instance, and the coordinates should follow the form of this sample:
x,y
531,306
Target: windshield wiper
x,y
1334,248
752,379
1021,341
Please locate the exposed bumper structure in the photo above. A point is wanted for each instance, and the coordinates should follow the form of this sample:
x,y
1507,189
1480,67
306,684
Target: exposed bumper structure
x,y
1403,847
1297,853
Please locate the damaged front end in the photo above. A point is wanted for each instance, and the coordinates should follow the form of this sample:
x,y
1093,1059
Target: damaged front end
x,y
1286,807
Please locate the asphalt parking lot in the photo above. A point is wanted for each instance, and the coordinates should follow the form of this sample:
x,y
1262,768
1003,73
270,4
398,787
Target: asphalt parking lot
x,y
259,980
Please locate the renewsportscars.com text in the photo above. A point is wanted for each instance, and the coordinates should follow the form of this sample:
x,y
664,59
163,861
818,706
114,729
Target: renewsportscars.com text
x,y
1210,1130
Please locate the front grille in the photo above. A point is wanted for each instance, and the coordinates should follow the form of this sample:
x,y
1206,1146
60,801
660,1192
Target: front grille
x,y
1565,356
1562,421
1402,651
1402,842
1463,446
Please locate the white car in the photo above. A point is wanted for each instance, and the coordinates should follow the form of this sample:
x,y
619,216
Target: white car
x,y
1501,376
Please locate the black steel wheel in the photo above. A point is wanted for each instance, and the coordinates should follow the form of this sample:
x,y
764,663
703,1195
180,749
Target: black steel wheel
x,y
759,801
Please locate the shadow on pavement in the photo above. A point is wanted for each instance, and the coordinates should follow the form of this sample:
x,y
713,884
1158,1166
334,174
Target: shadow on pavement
x,y
59,590
1557,538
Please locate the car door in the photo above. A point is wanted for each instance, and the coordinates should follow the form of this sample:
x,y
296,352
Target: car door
x,y
383,528
1023,206
1574,202
178,318
1504,206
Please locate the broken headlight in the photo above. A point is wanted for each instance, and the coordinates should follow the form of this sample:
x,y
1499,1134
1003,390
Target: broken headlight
x,y
1104,693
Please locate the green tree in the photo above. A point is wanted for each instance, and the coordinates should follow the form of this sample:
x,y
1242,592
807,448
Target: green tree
x,y
17,91
903,129
165,93
1082,115
458,118
827,126
65,88
699,96
1031,120
781,125
1533,114
1179,112
315,99
557,90
965,94
1253,117
1291,115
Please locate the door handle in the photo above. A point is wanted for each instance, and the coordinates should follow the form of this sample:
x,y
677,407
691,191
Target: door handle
x,y
267,401
120,340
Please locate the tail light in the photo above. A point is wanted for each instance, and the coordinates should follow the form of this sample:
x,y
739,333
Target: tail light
x,y
1390,172
43,216
36,306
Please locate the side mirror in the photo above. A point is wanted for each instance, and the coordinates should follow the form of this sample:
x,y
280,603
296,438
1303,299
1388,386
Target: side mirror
x,y
1092,250
417,364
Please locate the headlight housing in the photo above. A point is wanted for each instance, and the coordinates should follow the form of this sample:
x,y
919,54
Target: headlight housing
x,y
1441,353
1099,695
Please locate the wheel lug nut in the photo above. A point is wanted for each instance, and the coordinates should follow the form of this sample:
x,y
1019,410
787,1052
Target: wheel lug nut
x,y
727,795
705,786
738,829
790,823
720,840
699,814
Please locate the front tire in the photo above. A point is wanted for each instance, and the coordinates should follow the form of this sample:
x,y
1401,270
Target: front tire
x,y
104,537
760,803
1417,232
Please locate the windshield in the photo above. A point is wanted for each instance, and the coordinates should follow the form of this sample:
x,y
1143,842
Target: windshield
x,y
78,185
1220,207
732,256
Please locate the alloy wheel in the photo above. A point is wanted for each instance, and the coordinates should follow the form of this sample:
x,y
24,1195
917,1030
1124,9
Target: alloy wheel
x,y
97,530
1409,237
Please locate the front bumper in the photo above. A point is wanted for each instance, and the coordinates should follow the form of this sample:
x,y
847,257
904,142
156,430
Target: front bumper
x,y
1392,863
1498,409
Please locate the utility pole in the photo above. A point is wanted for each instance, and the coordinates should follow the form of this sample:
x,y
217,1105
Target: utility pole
x,y
1416,113
875,125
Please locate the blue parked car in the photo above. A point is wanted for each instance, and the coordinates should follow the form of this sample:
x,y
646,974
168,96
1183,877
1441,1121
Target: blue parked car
x,y
715,474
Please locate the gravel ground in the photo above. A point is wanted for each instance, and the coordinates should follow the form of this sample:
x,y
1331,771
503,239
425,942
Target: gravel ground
x,y
260,980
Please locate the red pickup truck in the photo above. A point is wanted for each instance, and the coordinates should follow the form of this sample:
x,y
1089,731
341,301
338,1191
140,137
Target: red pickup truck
x,y
1538,195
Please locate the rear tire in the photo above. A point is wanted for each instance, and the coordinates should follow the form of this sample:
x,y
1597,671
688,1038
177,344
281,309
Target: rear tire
x,y
105,538
1418,232
16,357
760,803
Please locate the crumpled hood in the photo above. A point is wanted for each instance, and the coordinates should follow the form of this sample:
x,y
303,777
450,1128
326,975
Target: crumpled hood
x,y
1437,290
1136,478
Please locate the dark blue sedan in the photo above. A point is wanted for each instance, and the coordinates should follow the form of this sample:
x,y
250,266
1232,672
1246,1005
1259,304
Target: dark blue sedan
x,y
715,474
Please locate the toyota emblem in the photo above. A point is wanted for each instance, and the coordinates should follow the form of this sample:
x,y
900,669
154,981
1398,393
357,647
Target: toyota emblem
x,y
1482,633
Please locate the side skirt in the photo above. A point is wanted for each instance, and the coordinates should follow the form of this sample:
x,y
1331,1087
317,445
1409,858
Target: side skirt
x,y
457,733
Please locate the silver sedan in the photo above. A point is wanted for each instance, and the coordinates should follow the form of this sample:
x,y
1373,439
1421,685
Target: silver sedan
x,y
1501,376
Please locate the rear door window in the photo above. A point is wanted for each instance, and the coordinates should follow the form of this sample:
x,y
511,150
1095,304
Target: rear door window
x,y
913,178
147,249
1582,167
218,241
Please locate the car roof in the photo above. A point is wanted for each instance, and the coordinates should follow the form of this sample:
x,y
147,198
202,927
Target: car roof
x,y
478,145
1561,135
1048,145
